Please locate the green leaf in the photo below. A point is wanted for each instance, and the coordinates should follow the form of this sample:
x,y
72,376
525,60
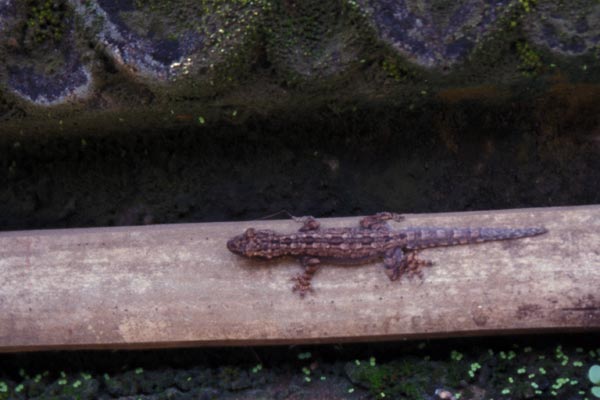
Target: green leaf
x,y
596,391
594,375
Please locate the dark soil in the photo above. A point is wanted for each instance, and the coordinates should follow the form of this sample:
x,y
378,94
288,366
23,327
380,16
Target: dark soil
x,y
524,367
316,162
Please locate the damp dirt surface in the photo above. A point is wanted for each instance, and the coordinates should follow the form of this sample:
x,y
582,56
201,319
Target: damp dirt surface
x,y
316,162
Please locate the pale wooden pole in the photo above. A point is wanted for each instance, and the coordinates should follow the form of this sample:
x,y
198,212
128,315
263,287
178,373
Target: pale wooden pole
x,y
178,285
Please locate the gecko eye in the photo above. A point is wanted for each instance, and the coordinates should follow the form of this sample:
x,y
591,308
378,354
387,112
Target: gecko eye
x,y
250,232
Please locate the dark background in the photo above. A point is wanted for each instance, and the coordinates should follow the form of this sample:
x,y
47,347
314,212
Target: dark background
x,y
466,156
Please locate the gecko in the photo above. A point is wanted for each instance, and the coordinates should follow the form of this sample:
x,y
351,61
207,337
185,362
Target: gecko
x,y
372,240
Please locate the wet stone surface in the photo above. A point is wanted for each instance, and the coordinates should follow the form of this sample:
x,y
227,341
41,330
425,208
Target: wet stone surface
x,y
433,33
51,46
571,28
163,40
144,53
42,64
55,51
5,12
313,39
70,82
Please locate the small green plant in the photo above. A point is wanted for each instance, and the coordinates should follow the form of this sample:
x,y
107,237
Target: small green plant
x,y
455,355
257,368
594,375
531,61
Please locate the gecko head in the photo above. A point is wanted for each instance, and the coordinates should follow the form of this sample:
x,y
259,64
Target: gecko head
x,y
251,243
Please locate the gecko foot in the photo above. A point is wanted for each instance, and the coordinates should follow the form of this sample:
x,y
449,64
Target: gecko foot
x,y
308,223
398,263
379,220
302,285
414,265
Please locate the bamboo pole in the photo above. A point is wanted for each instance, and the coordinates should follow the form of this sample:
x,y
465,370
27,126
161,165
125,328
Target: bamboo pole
x,y
178,285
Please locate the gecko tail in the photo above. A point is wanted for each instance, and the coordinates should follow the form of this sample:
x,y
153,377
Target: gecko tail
x,y
434,237
488,234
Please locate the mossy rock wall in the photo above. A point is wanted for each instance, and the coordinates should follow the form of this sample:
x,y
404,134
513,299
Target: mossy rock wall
x,y
118,65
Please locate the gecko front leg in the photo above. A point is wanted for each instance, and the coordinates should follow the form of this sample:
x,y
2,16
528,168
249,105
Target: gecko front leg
x,y
308,223
311,265
379,220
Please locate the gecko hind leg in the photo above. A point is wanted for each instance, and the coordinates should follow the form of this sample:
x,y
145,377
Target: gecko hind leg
x,y
394,263
398,263
379,220
302,285
414,265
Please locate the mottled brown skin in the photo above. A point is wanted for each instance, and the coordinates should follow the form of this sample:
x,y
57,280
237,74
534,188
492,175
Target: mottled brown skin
x,y
372,240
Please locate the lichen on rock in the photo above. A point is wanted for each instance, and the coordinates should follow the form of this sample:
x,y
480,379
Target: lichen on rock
x,y
314,39
435,33
569,28
160,41
235,58
42,64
